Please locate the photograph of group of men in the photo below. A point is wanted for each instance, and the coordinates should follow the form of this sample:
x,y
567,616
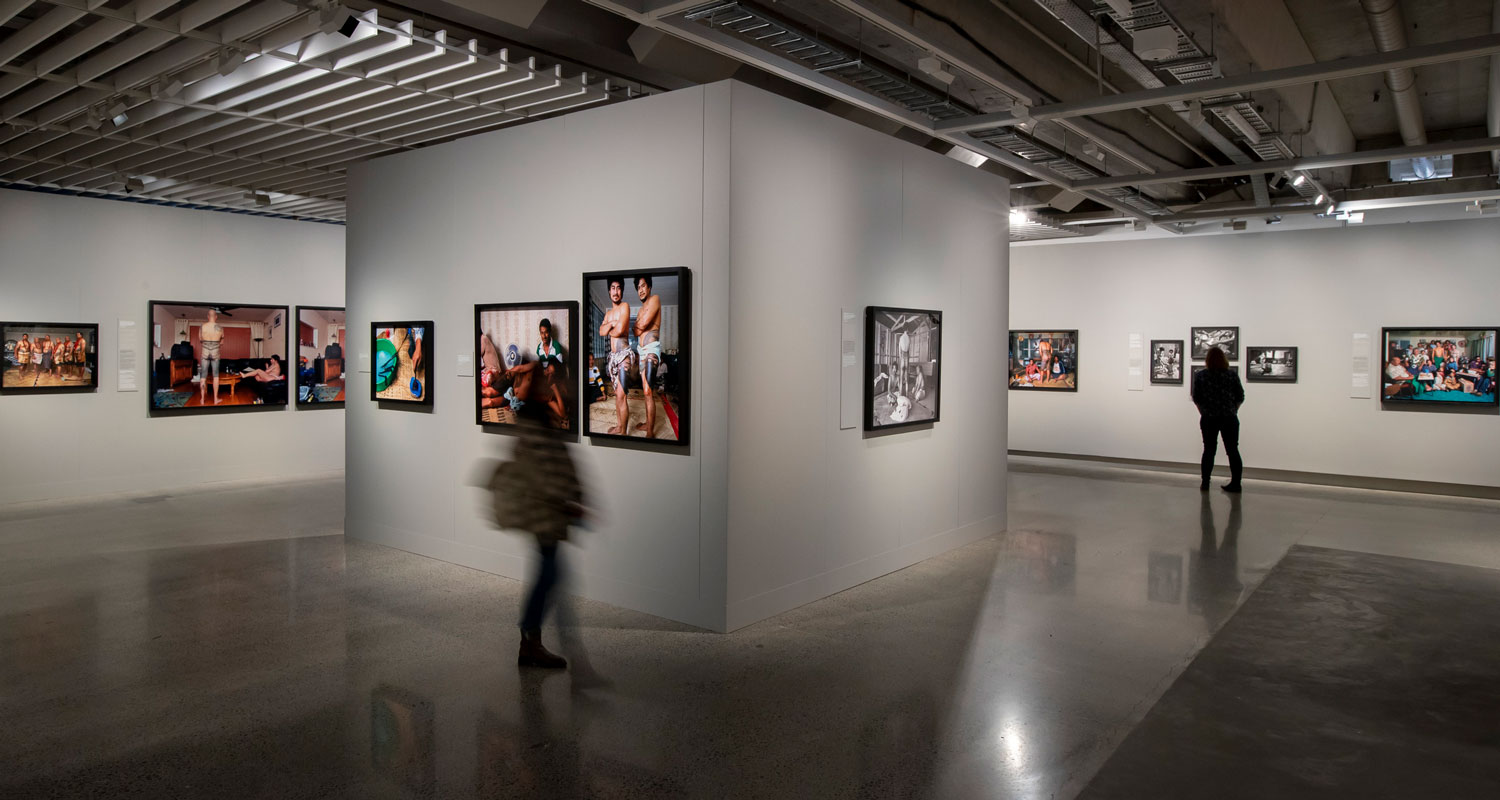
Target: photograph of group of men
x,y
635,355
526,364
1044,360
1439,366
320,355
49,356
211,355
902,367
1271,364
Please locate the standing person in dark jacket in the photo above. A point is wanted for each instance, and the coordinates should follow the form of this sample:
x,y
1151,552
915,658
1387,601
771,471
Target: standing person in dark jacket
x,y
1218,395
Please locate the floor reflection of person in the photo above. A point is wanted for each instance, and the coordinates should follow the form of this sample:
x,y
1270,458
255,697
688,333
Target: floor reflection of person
x,y
648,346
1214,579
616,326
210,338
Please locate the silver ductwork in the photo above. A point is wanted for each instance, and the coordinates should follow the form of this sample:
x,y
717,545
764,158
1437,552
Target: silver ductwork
x,y
1494,112
1388,26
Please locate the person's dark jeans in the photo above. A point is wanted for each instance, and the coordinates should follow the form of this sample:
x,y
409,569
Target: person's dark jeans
x,y
1229,429
541,590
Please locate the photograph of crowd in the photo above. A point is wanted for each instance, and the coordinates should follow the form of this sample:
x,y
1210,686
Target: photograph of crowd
x,y
320,356
1271,364
399,357
636,354
903,367
527,363
1044,360
209,356
1439,365
49,356
1205,339
1166,360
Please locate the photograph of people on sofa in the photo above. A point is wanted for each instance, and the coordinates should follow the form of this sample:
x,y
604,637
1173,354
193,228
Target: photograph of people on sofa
x,y
212,356
320,356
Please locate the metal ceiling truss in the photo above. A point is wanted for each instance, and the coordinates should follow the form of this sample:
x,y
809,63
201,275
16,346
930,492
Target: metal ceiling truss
x,y
251,105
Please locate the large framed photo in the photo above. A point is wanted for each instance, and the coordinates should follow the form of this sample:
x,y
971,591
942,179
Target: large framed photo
x,y
1205,339
400,361
637,351
903,367
527,363
1271,364
320,357
1044,360
1435,366
1166,361
217,356
49,357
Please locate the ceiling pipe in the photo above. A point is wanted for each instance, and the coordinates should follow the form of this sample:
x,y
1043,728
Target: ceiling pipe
x,y
1388,27
1494,110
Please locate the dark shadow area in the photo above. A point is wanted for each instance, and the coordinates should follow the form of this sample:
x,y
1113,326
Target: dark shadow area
x,y
410,408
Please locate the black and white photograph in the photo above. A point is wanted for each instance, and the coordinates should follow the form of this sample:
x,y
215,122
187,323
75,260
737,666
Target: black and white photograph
x,y
1197,368
1271,364
903,366
1205,339
1166,361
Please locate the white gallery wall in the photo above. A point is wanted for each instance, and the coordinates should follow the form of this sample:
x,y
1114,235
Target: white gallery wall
x,y
72,259
1308,289
772,505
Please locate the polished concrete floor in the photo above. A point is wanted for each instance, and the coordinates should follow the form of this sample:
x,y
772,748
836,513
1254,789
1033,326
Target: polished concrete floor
x,y
231,643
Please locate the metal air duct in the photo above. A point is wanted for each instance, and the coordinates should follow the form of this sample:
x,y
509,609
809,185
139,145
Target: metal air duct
x,y
1389,29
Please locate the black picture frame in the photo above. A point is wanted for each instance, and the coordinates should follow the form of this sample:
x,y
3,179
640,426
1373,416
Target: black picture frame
x,y
570,358
1254,373
1197,368
1200,353
428,340
1182,362
934,333
1388,399
680,363
91,358
1014,358
297,395
165,369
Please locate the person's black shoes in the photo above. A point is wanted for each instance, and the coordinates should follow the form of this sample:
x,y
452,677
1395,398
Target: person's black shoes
x,y
1203,487
1232,488
533,654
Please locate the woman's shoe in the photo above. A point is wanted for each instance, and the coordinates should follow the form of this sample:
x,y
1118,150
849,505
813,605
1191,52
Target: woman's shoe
x,y
1232,488
1203,487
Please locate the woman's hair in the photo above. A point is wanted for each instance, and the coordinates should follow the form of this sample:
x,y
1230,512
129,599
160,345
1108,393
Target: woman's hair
x,y
1216,358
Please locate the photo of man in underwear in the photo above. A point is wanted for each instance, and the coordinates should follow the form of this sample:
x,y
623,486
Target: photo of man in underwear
x,y
210,337
47,356
648,348
23,354
633,359
616,326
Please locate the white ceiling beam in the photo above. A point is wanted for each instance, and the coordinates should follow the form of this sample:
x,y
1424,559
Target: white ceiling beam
x,y
10,8
42,28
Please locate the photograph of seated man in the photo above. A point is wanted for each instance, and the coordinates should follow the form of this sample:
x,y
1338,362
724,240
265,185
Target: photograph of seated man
x,y
526,359
1439,366
1271,364
634,349
1046,360
320,356
207,356
49,356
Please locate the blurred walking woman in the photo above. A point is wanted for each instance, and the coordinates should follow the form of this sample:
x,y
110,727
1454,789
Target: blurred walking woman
x,y
1218,395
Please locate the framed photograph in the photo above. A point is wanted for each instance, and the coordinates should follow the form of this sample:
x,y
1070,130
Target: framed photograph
x,y
1044,360
400,354
1438,366
1166,361
527,358
903,367
321,368
636,354
49,357
1197,368
213,356
1205,339
1271,364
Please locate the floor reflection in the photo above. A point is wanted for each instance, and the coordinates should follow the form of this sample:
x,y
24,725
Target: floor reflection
x,y
1214,586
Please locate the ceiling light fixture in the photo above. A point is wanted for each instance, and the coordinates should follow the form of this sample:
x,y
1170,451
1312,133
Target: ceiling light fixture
x,y
229,60
117,115
933,66
1299,180
1319,201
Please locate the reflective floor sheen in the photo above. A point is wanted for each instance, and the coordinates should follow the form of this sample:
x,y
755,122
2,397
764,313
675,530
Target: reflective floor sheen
x,y
232,644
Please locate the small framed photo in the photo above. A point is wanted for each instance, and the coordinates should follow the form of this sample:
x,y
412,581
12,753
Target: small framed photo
x,y
1044,360
637,349
1166,361
49,357
527,357
400,362
320,361
1271,364
1205,339
903,367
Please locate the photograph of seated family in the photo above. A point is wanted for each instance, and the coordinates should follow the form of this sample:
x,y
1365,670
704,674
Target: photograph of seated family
x,y
210,356
1045,360
1438,366
320,356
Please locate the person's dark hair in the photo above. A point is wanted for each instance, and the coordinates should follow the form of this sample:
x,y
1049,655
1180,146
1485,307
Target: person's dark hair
x,y
281,365
1216,358
613,281
646,278
545,323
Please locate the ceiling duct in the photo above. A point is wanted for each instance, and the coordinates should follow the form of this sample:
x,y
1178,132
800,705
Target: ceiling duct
x,y
1388,28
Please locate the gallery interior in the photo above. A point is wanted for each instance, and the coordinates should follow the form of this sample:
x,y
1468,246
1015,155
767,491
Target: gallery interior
x,y
749,398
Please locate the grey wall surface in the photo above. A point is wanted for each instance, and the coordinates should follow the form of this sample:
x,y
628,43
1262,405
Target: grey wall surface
x,y
1307,289
70,259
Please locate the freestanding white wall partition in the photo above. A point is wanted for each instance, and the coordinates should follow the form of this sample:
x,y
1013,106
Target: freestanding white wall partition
x,y
687,179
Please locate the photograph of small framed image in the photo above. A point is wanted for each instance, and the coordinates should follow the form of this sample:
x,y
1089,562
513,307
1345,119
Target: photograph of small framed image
x,y
1205,339
1438,366
636,353
527,364
1044,360
1166,361
216,356
903,367
320,357
401,353
49,357
1271,364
